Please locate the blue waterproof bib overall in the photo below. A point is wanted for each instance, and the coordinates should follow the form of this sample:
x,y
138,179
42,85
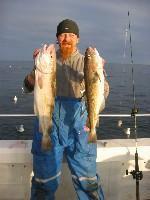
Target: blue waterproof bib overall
x,y
68,136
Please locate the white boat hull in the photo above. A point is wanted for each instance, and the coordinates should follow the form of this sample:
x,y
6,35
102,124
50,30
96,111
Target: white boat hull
x,y
114,157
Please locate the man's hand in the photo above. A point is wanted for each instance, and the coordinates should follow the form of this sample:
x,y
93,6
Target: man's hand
x,y
86,126
35,53
86,129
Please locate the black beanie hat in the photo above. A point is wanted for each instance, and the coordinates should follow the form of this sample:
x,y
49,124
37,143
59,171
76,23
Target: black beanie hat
x,y
67,26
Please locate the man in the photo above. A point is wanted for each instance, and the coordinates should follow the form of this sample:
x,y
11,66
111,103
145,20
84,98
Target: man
x,y
68,134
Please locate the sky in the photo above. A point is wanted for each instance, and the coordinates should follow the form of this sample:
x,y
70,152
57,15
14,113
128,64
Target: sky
x,y
28,24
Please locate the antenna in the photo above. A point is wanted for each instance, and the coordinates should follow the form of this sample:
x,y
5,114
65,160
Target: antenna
x,y
135,173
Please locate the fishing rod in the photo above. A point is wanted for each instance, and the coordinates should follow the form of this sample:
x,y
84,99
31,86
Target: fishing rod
x,y
137,175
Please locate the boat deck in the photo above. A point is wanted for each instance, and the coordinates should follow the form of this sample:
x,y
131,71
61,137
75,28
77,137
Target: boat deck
x,y
113,159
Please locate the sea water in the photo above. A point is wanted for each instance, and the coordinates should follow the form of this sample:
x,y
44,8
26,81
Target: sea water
x,y
120,100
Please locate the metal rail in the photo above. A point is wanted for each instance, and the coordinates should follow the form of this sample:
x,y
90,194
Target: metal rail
x,y
101,115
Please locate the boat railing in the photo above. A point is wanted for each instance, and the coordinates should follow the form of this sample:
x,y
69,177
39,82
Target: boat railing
x,y
101,115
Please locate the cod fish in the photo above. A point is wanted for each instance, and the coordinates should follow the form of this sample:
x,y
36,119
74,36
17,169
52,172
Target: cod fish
x,y
45,91
94,89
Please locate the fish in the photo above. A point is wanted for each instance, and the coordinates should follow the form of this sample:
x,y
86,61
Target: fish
x,y
45,91
94,89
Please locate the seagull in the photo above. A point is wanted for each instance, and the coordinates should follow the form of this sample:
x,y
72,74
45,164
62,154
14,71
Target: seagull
x,y
22,90
20,128
119,123
15,99
127,132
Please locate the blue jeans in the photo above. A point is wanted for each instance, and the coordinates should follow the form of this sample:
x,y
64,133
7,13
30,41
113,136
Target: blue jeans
x,y
68,136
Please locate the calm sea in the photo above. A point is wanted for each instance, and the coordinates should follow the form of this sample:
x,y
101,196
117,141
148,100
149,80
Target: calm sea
x,y
120,100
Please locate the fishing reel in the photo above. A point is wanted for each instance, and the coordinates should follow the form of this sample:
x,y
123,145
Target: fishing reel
x,y
138,175
134,111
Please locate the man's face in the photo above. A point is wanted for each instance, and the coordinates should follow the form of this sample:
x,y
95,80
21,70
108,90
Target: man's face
x,y
68,44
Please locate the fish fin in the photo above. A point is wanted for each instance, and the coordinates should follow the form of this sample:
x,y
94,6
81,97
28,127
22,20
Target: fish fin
x,y
40,129
40,81
92,137
102,106
98,75
82,84
46,143
36,109
97,123
87,122
95,77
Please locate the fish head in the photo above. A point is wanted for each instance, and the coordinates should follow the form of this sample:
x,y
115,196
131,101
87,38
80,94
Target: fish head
x,y
101,62
91,59
46,58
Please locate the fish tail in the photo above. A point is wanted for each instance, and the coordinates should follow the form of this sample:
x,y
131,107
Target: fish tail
x,y
46,142
92,138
